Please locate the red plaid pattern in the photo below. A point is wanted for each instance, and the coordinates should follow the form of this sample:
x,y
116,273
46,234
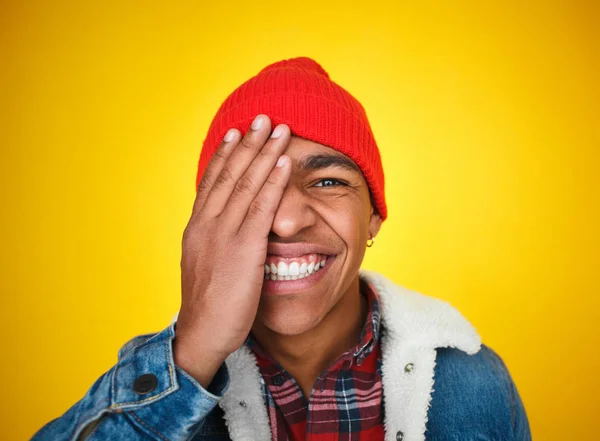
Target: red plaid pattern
x,y
346,401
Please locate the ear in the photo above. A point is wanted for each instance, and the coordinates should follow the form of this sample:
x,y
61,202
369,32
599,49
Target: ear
x,y
374,223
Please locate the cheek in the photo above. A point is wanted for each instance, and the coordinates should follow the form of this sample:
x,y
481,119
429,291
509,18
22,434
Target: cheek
x,y
347,219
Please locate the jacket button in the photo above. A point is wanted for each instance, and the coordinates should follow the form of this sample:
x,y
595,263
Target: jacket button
x,y
399,435
409,368
145,384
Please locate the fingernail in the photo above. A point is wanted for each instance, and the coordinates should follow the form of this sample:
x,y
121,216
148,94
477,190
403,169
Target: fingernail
x,y
277,132
281,161
257,123
230,135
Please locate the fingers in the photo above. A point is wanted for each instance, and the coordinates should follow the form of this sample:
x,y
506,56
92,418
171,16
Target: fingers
x,y
262,209
239,160
214,167
255,176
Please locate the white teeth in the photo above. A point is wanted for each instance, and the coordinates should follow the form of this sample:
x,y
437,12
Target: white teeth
x,y
294,269
282,269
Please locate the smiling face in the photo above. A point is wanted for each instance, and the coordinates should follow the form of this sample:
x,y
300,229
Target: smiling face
x,y
317,240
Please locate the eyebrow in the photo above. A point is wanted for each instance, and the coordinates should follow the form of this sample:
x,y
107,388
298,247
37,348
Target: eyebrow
x,y
315,162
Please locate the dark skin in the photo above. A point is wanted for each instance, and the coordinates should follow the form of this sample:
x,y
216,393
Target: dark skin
x,y
306,332
245,205
307,356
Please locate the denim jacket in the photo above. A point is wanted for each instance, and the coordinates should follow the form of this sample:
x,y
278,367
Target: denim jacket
x,y
426,342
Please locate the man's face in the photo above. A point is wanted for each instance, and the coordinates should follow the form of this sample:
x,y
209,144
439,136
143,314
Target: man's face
x,y
325,215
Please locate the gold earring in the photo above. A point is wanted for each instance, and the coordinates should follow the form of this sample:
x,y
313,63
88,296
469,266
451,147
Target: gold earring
x,y
370,242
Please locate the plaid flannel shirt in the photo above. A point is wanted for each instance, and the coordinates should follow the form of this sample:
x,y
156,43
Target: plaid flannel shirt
x,y
346,402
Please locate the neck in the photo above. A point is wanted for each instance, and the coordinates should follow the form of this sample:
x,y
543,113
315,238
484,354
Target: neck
x,y
306,356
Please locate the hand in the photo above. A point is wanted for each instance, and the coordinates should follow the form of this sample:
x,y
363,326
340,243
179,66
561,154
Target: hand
x,y
225,246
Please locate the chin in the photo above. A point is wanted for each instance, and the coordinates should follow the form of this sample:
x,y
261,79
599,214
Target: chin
x,y
288,319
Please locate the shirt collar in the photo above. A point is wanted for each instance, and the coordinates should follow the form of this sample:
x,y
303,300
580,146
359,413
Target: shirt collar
x,y
369,336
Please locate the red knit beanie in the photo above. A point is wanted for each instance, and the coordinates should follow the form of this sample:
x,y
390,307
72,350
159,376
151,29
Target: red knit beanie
x,y
299,93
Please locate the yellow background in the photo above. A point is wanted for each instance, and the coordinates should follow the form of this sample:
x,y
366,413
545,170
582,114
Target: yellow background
x,y
487,120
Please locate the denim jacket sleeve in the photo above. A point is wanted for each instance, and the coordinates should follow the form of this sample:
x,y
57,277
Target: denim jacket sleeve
x,y
475,398
521,430
145,396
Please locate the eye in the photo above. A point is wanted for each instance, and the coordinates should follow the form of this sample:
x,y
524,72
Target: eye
x,y
329,182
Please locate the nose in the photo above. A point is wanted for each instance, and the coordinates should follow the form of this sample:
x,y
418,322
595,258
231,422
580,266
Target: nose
x,y
294,214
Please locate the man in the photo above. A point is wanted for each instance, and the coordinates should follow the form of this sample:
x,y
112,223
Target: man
x,y
280,335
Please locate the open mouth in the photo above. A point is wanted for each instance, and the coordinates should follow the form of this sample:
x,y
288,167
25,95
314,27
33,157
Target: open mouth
x,y
295,274
294,268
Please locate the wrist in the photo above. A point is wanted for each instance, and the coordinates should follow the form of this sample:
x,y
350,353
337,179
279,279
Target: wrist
x,y
197,361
